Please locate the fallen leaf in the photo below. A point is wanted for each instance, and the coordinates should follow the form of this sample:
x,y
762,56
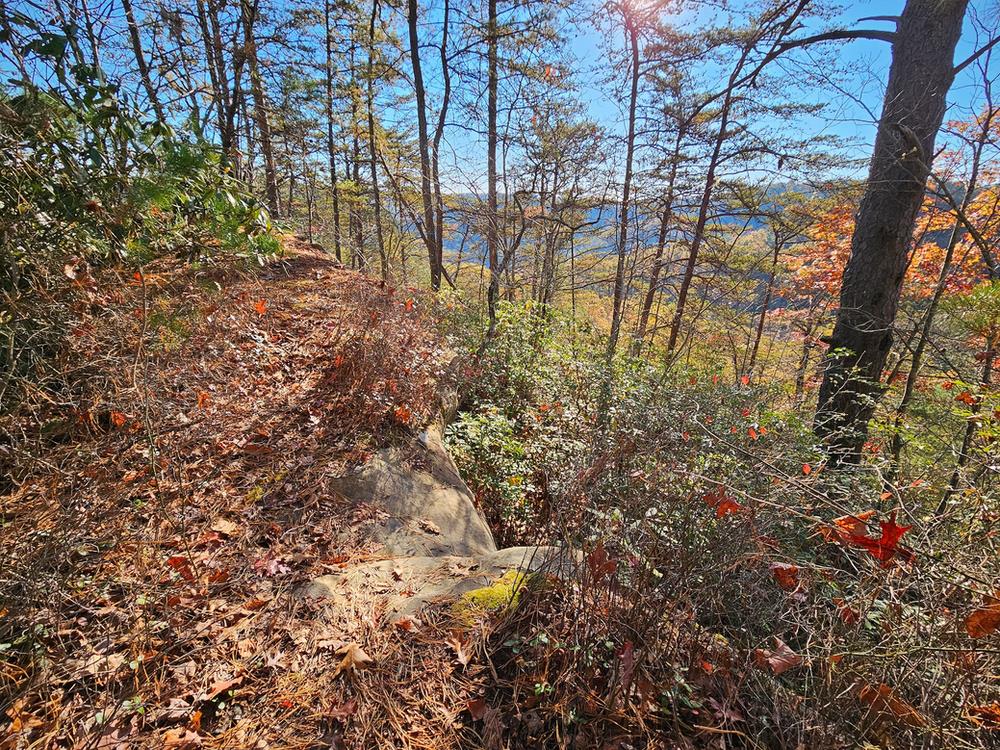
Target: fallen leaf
x,y
985,620
224,526
272,566
403,414
886,547
118,419
203,399
222,686
476,708
260,307
408,624
883,700
845,527
807,469
848,615
182,565
987,716
458,642
781,659
354,658
344,710
966,398
726,507
181,738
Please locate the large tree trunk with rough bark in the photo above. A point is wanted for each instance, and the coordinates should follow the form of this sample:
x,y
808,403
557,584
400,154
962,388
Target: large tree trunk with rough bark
x,y
922,71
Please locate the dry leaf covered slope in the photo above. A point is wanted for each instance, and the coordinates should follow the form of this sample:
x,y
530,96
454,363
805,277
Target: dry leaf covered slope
x,y
253,503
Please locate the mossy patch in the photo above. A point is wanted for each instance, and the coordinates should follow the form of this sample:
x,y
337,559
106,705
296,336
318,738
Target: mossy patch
x,y
501,595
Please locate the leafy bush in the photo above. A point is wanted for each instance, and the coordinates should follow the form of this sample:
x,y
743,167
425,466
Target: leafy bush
x,y
85,183
727,579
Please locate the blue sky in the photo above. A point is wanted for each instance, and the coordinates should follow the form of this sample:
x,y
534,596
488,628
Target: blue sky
x,y
851,112
851,115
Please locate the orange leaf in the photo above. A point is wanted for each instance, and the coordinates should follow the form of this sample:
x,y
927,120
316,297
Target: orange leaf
x,y
848,614
409,304
807,469
260,307
886,547
883,700
408,624
985,620
845,527
222,686
966,398
203,399
987,716
118,419
786,576
726,507
182,566
403,414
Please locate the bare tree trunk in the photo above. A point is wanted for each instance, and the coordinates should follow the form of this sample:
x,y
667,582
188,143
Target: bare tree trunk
x,y
619,294
140,60
249,13
359,259
215,63
492,217
965,452
438,135
227,124
765,305
803,368
429,231
919,78
703,208
939,288
372,146
330,142
661,243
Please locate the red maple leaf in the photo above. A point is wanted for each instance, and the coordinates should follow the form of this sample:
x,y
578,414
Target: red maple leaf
x,y
886,547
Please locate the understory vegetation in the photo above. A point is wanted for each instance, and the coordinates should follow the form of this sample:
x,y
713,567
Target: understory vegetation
x,y
730,579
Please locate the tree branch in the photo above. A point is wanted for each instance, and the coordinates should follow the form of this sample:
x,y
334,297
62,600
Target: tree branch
x,y
976,55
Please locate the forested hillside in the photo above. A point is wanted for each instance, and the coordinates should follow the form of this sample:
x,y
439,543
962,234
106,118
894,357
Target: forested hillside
x,y
506,374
